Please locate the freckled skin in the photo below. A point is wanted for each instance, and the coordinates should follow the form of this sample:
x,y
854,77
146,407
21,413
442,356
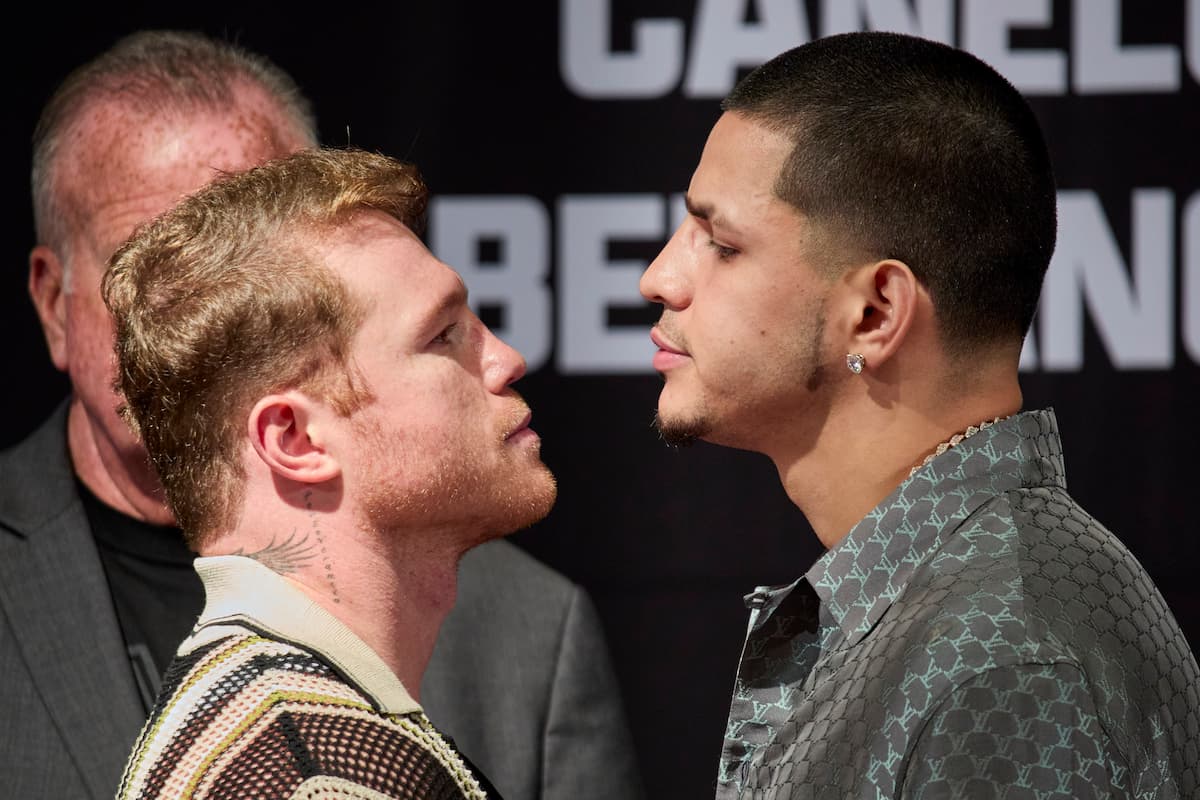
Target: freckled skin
x,y
431,449
118,168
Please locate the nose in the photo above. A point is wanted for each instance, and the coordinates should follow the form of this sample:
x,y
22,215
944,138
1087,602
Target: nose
x,y
665,281
502,364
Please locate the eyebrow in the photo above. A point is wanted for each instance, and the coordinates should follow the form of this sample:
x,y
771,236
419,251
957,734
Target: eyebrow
x,y
708,213
456,298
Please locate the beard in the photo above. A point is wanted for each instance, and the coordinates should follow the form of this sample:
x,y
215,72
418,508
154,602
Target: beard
x,y
736,419
681,432
462,502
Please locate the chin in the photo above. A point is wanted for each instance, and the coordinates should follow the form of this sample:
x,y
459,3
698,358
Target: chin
x,y
521,504
539,499
681,430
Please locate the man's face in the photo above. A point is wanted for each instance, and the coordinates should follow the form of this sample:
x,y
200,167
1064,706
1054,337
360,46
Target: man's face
x,y
122,172
445,443
741,335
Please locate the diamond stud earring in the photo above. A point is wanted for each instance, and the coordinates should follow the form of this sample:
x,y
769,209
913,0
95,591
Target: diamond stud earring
x,y
855,362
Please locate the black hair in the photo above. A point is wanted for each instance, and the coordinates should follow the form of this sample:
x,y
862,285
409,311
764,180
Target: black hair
x,y
913,150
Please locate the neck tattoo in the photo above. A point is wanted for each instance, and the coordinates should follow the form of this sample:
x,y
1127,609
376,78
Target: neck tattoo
x,y
953,440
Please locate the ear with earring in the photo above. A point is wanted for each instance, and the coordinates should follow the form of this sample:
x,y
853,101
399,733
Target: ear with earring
x,y
856,362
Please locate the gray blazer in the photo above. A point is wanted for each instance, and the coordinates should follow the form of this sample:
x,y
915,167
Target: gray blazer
x,y
520,678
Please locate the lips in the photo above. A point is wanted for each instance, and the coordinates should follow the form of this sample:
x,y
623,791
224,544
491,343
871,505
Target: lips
x,y
522,425
664,343
669,355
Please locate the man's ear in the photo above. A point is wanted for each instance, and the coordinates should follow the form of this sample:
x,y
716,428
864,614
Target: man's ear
x,y
286,433
48,290
885,299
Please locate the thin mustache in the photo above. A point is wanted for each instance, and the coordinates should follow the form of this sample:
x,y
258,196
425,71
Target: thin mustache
x,y
515,418
675,336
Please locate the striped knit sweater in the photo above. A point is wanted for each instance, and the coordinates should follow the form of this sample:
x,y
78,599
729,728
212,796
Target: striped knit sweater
x,y
285,702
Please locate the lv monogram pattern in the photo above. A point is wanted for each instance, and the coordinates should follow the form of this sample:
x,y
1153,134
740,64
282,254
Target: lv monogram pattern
x,y
976,635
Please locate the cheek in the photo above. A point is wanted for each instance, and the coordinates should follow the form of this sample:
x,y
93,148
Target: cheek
x,y
439,404
730,327
752,339
454,390
86,313
90,346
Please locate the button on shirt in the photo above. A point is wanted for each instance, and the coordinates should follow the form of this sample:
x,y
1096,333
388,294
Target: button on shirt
x,y
977,634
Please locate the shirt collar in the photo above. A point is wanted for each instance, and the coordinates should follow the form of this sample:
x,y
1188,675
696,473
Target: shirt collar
x,y
240,590
865,572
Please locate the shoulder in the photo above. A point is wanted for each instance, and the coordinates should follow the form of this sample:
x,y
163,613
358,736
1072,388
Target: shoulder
x,y
1033,585
1081,584
290,710
229,678
46,444
973,605
1037,564
1034,567
219,662
1056,532
36,479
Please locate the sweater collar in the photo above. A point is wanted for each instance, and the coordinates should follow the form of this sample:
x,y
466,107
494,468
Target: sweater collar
x,y
240,590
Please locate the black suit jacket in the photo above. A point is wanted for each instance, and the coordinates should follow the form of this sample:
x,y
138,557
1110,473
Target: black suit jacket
x,y
520,678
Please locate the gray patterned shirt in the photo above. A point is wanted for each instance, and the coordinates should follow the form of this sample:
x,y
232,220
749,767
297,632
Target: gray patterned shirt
x,y
976,635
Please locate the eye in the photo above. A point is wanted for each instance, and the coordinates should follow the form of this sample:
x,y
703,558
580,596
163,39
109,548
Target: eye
x,y
723,253
445,336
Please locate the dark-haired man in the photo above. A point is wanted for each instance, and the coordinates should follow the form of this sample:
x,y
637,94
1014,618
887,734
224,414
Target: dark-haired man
x,y
96,586
869,225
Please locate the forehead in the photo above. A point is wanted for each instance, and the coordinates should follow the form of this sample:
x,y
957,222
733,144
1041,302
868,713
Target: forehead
x,y
389,269
116,160
734,189
741,162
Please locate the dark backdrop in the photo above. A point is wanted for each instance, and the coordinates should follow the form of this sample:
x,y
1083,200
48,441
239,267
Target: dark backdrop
x,y
667,542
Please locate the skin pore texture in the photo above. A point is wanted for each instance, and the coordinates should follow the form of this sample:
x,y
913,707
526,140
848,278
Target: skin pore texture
x,y
756,326
370,513
118,167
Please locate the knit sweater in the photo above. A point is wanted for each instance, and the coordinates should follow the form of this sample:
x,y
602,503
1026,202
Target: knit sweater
x,y
273,697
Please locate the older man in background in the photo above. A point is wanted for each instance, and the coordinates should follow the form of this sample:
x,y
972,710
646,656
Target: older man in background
x,y
96,586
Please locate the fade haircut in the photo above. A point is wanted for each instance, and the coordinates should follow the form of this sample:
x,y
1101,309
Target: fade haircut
x,y
909,149
155,73
225,299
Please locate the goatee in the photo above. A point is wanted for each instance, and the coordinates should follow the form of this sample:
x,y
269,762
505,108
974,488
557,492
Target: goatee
x,y
680,433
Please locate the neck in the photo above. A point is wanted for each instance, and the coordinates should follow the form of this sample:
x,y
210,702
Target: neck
x,y
124,481
393,591
867,450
